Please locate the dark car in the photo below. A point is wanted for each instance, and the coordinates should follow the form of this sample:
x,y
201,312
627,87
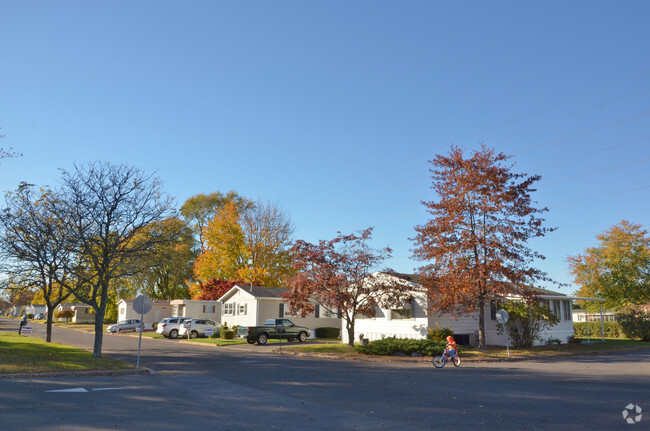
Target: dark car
x,y
124,326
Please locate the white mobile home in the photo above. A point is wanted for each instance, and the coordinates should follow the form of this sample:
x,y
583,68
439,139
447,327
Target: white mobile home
x,y
252,305
197,308
414,321
159,310
83,313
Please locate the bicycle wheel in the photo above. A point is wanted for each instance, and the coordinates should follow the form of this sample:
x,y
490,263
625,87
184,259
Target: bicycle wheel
x,y
456,361
439,361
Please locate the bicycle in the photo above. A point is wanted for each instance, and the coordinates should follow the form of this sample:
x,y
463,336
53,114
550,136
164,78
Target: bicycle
x,y
440,361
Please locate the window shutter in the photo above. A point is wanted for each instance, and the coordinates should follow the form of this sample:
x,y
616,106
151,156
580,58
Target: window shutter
x,y
281,310
317,311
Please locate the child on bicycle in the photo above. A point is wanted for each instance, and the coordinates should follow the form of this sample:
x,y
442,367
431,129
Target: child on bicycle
x,y
451,347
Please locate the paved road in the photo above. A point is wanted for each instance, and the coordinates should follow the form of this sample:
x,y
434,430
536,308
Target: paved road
x,y
247,388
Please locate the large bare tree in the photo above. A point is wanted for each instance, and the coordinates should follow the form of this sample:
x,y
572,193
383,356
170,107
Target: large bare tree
x,y
106,210
33,246
476,242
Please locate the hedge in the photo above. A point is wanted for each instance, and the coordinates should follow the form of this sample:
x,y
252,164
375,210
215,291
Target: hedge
x,y
328,332
612,329
392,345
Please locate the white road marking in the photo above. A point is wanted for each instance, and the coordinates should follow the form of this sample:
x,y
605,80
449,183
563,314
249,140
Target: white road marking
x,y
69,390
86,390
110,389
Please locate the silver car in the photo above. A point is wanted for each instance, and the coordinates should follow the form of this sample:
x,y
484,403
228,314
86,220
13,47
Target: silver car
x,y
169,327
125,325
197,328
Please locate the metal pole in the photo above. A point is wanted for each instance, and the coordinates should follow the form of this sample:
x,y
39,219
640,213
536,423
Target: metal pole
x,y
137,364
587,320
602,324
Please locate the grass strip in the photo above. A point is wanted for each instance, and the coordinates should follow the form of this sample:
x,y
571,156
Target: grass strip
x,y
23,354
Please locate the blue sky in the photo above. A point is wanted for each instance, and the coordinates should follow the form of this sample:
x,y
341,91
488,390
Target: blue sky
x,y
332,108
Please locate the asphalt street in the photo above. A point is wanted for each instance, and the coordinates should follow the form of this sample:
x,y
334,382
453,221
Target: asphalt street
x,y
248,387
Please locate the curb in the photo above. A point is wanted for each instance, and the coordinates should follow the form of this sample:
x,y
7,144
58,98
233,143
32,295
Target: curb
x,y
93,373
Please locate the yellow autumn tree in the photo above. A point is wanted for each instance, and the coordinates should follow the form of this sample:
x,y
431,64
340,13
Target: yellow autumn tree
x,y
250,244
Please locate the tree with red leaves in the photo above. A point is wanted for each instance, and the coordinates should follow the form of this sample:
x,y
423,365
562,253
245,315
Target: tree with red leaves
x,y
337,275
213,289
476,240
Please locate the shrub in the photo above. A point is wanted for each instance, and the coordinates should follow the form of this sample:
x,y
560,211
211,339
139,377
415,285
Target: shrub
x,y
439,334
65,314
227,334
526,322
393,345
612,329
635,324
30,316
328,332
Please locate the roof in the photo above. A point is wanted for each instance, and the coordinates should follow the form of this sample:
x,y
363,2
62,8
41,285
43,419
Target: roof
x,y
155,301
257,292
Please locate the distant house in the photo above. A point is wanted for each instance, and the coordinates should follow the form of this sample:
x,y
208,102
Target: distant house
x,y
197,308
83,313
413,320
35,309
252,305
159,310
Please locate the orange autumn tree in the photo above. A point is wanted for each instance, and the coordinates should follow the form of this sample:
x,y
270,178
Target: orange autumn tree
x,y
476,240
249,244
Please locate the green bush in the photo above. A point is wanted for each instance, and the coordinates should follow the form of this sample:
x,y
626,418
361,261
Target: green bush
x,y
328,332
227,334
392,345
635,324
439,334
612,329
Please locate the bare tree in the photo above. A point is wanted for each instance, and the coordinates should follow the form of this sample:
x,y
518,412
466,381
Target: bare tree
x,y
33,246
106,209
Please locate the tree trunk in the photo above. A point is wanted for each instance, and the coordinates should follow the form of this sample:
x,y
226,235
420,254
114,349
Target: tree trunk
x,y
99,332
482,344
48,325
350,327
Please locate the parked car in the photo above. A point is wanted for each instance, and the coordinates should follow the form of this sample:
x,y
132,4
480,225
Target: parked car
x,y
273,328
40,316
169,327
125,325
196,328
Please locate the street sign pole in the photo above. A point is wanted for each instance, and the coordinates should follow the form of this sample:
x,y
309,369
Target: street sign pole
x,y
137,364
141,304
502,318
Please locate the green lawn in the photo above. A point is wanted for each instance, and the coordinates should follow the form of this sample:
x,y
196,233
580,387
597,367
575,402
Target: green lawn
x,y
24,354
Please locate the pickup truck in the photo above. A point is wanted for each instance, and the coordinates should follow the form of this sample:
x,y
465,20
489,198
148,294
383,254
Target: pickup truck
x,y
273,328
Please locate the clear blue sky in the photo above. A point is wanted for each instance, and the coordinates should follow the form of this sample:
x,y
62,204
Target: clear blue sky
x,y
332,108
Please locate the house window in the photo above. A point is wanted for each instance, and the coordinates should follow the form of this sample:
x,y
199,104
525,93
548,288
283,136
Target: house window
x,y
494,307
327,313
229,309
242,309
400,314
567,310
209,308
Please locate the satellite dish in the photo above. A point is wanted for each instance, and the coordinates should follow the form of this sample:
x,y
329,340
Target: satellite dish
x,y
502,316
142,304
